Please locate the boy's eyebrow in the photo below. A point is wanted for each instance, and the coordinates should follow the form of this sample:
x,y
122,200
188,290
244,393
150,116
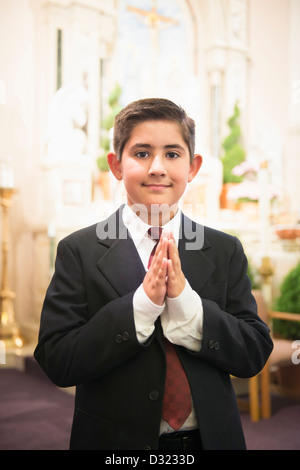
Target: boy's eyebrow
x,y
174,146
149,146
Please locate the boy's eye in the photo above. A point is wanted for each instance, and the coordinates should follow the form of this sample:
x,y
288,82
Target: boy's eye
x,y
142,154
172,155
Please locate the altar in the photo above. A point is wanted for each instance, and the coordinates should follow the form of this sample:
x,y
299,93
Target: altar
x,y
205,56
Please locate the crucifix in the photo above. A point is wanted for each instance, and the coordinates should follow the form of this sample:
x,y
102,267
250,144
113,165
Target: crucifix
x,y
154,21
152,17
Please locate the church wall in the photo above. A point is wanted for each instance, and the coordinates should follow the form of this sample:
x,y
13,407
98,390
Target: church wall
x,y
17,127
268,72
292,143
28,77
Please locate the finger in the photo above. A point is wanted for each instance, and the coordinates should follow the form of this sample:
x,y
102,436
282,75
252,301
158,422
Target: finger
x,y
174,254
170,272
166,234
175,282
162,274
161,251
172,285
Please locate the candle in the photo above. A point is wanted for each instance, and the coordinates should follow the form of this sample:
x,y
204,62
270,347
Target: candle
x,y
264,206
6,175
51,230
52,236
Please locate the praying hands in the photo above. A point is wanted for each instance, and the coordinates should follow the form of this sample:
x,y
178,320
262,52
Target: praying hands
x,y
164,277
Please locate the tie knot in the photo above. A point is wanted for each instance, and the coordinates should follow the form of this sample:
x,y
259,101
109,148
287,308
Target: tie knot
x,y
155,232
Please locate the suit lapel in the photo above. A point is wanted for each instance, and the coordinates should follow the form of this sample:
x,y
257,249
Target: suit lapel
x,y
194,251
123,269
120,264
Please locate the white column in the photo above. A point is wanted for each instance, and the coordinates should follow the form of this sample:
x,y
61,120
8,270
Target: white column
x,y
291,160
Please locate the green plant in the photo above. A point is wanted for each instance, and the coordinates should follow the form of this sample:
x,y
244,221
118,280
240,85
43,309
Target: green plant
x,y
288,301
114,106
234,153
107,124
102,163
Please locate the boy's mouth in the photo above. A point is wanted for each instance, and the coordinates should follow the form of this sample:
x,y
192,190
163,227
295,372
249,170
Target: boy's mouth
x,y
156,186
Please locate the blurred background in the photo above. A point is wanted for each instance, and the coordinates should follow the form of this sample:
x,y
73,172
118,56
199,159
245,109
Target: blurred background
x,y
68,66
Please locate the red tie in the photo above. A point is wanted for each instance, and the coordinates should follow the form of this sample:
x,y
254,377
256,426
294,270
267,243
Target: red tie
x,y
154,233
177,398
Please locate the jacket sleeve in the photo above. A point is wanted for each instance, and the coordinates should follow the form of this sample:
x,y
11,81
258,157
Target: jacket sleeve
x,y
235,339
75,346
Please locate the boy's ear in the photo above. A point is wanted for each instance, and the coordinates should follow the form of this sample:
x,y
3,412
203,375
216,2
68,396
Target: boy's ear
x,y
114,165
195,166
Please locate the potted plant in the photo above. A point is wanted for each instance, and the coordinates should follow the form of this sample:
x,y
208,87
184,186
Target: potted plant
x,y
234,155
288,301
246,193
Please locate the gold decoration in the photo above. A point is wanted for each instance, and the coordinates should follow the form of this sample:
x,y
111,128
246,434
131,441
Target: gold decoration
x,y
9,332
266,272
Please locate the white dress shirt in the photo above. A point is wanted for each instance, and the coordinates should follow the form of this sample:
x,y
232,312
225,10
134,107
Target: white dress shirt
x,y
181,317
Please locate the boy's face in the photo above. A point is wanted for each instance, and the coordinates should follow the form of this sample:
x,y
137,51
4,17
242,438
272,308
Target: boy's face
x,y
155,165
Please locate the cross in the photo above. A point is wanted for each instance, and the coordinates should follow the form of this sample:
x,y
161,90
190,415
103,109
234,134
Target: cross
x,y
153,20
152,17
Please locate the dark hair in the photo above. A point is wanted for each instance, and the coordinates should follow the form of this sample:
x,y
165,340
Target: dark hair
x,y
151,109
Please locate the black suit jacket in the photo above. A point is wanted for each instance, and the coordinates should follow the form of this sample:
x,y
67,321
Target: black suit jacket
x,y
87,338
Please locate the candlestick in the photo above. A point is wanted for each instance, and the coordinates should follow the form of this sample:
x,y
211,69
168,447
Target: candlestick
x,y
266,271
264,207
6,174
9,332
52,238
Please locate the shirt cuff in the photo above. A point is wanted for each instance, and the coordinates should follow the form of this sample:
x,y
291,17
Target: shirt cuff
x,y
145,314
184,322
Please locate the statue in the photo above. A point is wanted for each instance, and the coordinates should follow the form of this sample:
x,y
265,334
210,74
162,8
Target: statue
x,y
67,164
67,124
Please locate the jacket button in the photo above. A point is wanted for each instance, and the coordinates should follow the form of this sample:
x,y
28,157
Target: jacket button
x,y
125,336
153,395
214,345
118,339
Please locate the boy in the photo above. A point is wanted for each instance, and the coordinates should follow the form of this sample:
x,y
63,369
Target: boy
x,y
119,300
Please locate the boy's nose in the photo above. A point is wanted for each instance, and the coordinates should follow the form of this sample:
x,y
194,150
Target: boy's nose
x,y
157,166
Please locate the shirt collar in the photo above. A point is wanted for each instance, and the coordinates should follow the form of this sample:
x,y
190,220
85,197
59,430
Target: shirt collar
x,y
138,229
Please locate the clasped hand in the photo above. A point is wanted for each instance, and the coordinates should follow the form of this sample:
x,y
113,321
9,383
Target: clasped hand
x,y
164,277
